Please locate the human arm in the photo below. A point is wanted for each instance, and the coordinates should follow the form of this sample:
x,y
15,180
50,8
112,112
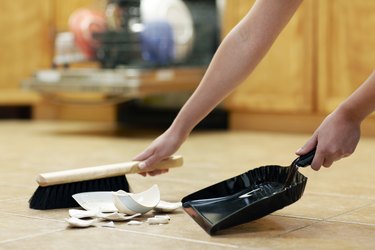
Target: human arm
x,y
237,56
339,133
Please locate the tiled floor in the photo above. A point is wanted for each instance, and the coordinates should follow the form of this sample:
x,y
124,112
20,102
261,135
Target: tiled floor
x,y
337,210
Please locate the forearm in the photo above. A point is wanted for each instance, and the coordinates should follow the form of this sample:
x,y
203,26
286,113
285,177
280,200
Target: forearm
x,y
361,103
238,55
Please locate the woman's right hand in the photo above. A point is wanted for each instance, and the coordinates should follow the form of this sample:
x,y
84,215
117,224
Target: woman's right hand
x,y
336,138
161,148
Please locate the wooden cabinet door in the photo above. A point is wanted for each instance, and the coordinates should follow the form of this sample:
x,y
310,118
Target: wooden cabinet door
x,y
26,40
283,81
346,49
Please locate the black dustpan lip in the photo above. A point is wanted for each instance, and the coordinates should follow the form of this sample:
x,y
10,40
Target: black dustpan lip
x,y
255,210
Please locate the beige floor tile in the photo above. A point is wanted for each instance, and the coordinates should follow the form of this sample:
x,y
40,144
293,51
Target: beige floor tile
x,y
334,235
14,192
364,215
180,233
15,227
319,206
337,207
20,207
103,238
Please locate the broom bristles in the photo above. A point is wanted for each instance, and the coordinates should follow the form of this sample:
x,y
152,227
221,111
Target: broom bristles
x,y
60,196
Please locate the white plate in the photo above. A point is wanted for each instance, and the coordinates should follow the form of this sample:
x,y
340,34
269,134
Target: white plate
x,y
99,201
178,15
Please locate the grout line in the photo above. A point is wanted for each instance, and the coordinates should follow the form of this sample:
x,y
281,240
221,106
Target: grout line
x,y
353,223
31,217
118,229
299,228
30,236
314,221
341,195
298,217
352,210
329,219
176,238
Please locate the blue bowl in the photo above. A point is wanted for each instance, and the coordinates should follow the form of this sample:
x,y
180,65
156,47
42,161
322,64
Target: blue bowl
x,y
157,42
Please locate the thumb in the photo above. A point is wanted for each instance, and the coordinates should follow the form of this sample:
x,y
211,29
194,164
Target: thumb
x,y
310,145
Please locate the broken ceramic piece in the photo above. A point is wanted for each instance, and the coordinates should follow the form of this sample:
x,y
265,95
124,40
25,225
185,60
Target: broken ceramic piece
x,y
163,216
79,223
134,222
115,216
97,201
79,214
132,203
167,207
158,220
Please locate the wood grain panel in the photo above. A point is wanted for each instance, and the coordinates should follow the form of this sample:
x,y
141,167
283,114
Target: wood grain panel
x,y
25,42
282,82
346,49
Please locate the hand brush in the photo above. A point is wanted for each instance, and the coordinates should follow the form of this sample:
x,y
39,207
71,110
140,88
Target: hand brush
x,y
56,188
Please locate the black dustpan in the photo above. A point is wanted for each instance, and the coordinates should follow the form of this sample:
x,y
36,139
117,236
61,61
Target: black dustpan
x,y
248,196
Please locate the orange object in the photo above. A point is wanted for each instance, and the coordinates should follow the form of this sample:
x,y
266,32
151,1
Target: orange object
x,y
83,23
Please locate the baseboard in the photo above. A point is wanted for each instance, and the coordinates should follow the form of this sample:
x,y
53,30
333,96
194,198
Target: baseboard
x,y
289,123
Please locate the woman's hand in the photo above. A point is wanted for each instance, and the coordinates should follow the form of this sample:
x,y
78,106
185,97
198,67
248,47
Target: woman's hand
x,y
339,133
161,148
336,137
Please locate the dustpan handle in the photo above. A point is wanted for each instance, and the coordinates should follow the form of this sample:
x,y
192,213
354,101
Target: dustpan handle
x,y
104,171
305,160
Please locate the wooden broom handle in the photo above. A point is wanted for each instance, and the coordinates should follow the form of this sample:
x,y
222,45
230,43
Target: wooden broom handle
x,y
104,171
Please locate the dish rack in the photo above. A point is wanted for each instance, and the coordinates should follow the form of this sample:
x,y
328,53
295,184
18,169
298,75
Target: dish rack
x,y
123,46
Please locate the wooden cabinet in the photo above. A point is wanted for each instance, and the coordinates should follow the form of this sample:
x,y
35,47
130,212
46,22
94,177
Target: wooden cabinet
x,y
283,80
26,45
346,49
325,52
26,40
27,32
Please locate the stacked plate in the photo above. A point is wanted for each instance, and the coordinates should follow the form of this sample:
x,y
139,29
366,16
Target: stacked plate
x,y
157,16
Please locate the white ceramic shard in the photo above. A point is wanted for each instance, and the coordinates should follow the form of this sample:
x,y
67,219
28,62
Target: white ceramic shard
x,y
118,216
129,203
108,224
79,223
97,201
115,216
167,207
77,213
163,216
158,220
134,222
75,222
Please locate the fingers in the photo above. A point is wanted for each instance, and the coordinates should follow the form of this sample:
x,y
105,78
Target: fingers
x,y
325,158
154,172
310,145
147,164
317,161
321,157
157,172
328,162
148,159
